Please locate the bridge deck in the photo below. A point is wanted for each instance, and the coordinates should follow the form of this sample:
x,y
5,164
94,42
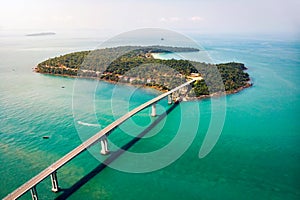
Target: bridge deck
x,y
75,152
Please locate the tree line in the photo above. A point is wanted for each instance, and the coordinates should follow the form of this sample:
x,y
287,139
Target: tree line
x,y
136,65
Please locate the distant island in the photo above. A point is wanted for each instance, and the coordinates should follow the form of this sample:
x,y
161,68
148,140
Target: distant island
x,y
133,64
41,34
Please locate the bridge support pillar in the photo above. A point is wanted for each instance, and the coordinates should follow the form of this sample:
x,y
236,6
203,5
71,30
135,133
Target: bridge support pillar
x,y
170,99
55,187
104,145
153,113
34,194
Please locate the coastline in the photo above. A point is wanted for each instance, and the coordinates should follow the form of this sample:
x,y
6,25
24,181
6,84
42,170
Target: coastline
x,y
234,77
156,88
156,55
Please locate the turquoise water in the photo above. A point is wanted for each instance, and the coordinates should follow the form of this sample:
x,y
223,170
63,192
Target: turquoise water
x,y
257,155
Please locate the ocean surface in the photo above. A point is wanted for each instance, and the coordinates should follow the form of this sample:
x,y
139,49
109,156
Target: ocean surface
x,y
256,157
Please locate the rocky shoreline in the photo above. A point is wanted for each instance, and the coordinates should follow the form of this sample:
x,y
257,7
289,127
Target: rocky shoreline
x,y
159,74
185,98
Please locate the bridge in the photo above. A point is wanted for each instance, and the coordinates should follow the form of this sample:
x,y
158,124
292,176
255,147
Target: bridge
x,y
100,136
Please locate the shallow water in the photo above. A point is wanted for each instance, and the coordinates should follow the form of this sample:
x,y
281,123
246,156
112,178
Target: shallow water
x,y
257,155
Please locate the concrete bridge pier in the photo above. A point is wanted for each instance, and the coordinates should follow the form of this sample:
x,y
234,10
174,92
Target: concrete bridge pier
x,y
98,137
104,145
34,194
153,113
55,187
170,99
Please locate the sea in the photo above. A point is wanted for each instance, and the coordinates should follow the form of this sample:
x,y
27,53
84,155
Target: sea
x,y
256,154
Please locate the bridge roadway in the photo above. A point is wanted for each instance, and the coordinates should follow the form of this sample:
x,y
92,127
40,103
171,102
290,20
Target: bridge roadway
x,y
92,140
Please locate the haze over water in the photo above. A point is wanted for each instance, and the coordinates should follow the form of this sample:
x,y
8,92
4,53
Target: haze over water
x,y
257,155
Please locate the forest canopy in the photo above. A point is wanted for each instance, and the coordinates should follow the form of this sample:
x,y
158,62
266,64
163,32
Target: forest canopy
x,y
136,65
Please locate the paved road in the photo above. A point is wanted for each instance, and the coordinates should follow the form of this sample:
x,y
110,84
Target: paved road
x,y
75,152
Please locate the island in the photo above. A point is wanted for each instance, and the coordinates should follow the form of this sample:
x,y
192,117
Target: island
x,y
135,65
41,34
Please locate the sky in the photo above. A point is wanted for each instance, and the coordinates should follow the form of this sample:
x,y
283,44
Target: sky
x,y
207,16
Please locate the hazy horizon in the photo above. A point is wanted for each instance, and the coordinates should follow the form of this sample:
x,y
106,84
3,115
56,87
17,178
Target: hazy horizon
x,y
214,17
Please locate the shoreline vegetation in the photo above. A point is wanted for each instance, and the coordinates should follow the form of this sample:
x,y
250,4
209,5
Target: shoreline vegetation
x,y
136,65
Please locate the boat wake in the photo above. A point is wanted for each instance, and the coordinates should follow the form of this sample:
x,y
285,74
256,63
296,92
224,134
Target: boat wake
x,y
88,124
